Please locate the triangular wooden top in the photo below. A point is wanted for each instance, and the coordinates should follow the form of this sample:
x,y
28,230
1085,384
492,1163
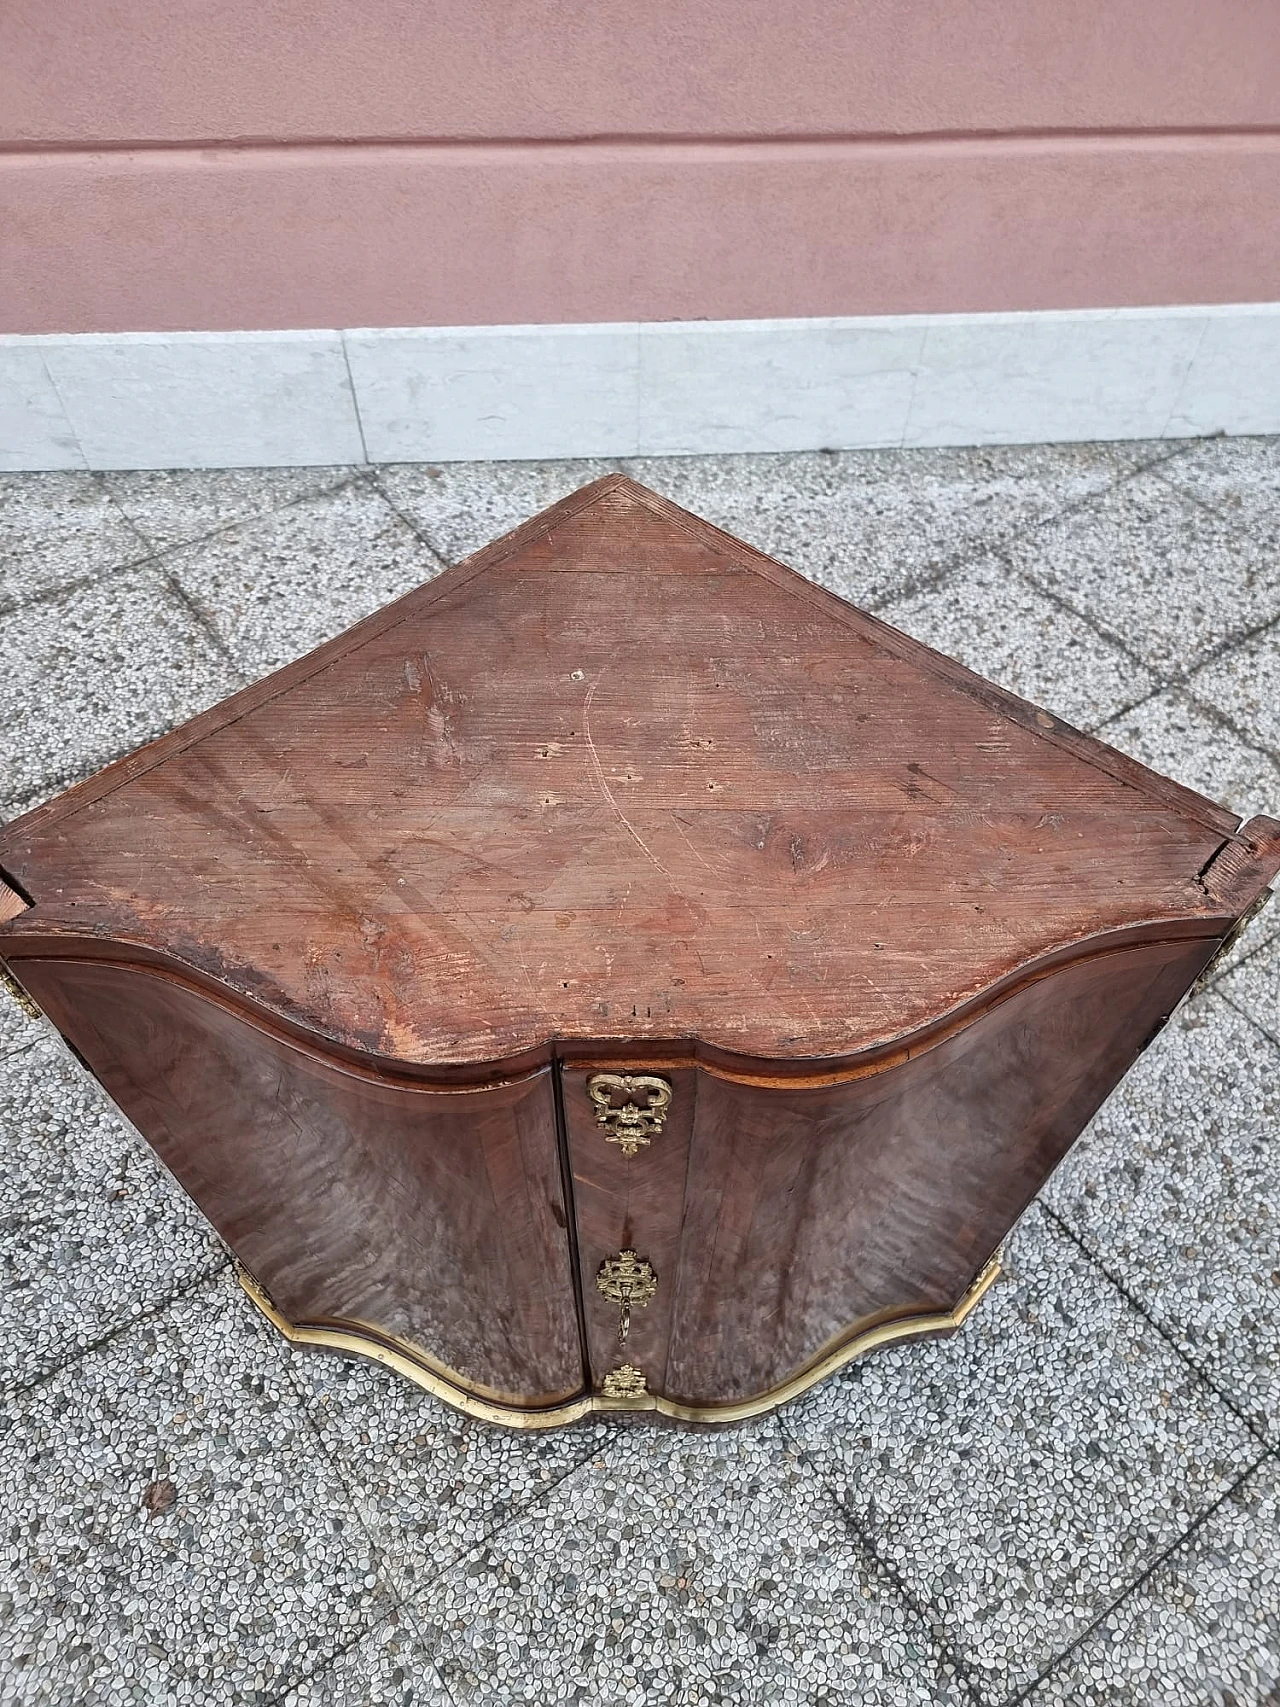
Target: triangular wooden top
x,y
620,777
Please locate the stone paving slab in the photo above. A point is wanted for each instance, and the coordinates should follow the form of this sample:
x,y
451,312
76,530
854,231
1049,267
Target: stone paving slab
x,y
56,529
1170,577
1246,685
870,524
1175,1188
173,506
689,1569
1187,741
1202,1631
1253,984
1072,1501
429,1483
1022,1474
95,1229
391,1666
1008,631
460,506
172,1530
88,676
1239,478
278,585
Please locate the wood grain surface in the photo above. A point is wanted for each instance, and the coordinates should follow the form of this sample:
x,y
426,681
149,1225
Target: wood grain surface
x,y
810,1214
434,1216
619,777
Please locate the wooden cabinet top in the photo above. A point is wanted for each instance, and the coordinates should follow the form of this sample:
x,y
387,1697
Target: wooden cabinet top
x,y
619,776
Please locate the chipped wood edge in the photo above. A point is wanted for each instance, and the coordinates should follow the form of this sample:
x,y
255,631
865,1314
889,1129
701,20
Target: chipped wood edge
x,y
11,903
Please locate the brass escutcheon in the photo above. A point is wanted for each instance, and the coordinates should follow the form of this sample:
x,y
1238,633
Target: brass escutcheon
x,y
639,1117
624,1382
626,1280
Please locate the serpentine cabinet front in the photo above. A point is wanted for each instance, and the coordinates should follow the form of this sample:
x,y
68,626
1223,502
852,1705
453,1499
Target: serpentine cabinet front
x,y
739,1238
684,1241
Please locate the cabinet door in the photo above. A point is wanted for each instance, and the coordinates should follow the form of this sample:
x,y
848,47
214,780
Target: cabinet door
x,y
432,1216
628,1188
814,1213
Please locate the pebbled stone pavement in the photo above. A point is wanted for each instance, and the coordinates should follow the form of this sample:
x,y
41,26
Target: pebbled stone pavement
x,y
1075,1502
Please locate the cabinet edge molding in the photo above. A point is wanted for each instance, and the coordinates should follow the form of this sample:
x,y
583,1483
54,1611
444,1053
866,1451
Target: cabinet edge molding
x,y
407,1360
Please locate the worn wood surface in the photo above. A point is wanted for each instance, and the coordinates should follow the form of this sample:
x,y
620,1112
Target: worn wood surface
x,y
436,1216
618,793
625,780
808,1213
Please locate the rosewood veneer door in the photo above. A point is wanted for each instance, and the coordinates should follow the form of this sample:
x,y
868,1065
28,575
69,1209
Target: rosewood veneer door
x,y
628,1202
427,1215
814,1213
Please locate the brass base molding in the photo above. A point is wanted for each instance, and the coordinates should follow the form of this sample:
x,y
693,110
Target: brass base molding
x,y
628,1394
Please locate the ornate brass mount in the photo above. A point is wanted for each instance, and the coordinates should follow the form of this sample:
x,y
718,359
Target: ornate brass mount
x,y
624,1382
637,1120
626,1280
10,983
410,1361
1229,942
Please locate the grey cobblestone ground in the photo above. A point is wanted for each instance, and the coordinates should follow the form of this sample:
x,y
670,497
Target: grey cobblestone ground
x,y
1072,1503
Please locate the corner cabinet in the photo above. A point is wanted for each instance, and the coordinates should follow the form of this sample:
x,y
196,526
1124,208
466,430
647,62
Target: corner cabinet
x,y
620,976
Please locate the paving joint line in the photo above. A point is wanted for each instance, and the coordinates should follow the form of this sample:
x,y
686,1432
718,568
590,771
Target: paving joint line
x,y
325,490
1103,632
1178,447
1144,1577
997,547
1246,958
1230,644
326,1665
1095,729
205,623
403,1596
100,477
1177,683
1215,714
79,584
1178,680
930,1617
515,1513
1208,710
372,476
409,1603
336,1464
155,553
1166,1334
1257,1025
1232,523
193,1284
355,396
22,1049
957,563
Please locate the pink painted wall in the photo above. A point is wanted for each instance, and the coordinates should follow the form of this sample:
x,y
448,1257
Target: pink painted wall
x,y
261,163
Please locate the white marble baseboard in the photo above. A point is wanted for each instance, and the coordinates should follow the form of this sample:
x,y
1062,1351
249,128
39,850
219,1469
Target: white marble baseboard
x,y
439,394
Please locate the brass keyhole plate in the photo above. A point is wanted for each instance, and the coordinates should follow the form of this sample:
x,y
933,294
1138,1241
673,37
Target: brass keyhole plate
x,y
631,1108
628,1281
